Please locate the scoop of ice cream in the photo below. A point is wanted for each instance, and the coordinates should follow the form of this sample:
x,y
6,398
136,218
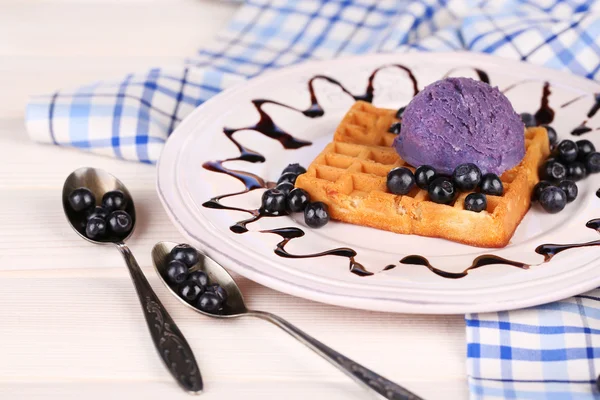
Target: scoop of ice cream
x,y
460,120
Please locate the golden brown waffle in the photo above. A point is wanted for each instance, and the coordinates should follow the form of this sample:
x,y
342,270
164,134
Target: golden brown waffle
x,y
350,177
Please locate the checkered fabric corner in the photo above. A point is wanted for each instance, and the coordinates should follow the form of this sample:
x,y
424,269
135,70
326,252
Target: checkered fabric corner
x,y
551,351
131,118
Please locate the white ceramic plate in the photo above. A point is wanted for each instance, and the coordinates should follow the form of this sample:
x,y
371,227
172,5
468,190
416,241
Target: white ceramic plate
x,y
184,185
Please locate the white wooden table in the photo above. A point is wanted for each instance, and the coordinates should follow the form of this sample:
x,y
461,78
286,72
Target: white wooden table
x,y
70,322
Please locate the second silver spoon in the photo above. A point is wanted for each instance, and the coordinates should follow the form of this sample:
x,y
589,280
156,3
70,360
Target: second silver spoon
x,y
235,307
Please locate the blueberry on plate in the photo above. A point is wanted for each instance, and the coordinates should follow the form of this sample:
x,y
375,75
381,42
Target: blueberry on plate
x,y
400,180
209,302
537,189
552,170
466,177
95,228
442,190
566,151
576,171
285,187
189,291
98,211
553,199
528,119
585,147
476,202
296,169
400,112
198,277
297,200
288,177
273,202
592,163
570,189
219,291
316,214
492,185
552,136
114,200
120,222
395,128
186,254
424,175
82,199
177,272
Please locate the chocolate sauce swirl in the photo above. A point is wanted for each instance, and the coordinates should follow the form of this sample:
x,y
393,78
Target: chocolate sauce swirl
x,y
267,127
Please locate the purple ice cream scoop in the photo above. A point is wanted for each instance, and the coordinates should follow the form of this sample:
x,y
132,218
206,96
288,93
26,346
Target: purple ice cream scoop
x,y
460,120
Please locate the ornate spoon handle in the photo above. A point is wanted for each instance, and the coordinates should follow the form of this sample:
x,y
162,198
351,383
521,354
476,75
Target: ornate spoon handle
x,y
168,340
362,375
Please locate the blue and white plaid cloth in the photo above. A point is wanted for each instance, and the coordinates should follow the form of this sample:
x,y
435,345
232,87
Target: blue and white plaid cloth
x,y
546,352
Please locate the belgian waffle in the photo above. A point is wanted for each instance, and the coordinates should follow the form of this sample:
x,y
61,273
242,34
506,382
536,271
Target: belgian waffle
x,y
350,177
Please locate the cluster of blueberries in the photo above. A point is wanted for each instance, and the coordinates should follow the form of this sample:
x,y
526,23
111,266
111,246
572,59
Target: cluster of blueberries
x,y
194,286
444,189
100,221
284,199
568,163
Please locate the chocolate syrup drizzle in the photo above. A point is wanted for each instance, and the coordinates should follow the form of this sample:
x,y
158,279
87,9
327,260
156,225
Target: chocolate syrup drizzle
x,y
269,128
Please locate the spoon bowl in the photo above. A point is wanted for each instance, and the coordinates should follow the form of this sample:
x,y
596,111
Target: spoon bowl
x,y
98,182
234,306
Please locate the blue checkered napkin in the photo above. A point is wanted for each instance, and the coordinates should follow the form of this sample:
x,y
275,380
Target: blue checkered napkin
x,y
131,118
547,352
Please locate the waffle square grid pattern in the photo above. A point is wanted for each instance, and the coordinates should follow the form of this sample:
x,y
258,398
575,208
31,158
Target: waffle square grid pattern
x,y
350,177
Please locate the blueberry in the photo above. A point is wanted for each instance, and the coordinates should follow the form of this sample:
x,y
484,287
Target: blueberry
x,y
442,190
492,185
95,228
553,199
198,277
219,291
288,177
98,211
570,189
285,187
476,202
400,180
114,200
552,136
296,169
584,147
466,177
82,199
190,291
186,254
209,302
395,128
592,163
177,272
424,175
120,222
537,189
400,112
316,214
552,170
528,119
576,171
297,200
273,202
566,151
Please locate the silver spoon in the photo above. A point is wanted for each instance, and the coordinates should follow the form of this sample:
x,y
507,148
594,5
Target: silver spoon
x,y
235,307
168,340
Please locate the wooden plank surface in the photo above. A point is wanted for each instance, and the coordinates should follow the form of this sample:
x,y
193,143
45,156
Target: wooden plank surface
x,y
70,323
